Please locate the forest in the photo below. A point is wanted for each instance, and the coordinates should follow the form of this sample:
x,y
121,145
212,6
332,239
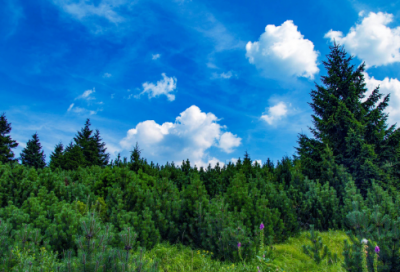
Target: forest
x,y
83,212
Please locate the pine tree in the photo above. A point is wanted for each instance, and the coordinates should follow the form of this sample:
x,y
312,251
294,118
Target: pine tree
x,y
32,155
73,158
135,158
339,110
6,143
56,157
103,157
85,141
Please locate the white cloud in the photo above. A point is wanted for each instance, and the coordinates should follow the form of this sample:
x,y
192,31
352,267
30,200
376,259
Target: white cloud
x,y
228,141
371,41
112,96
82,9
163,87
275,113
86,95
282,51
156,56
107,75
387,86
223,75
234,160
190,136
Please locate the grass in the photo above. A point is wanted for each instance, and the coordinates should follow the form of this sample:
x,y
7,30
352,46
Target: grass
x,y
288,256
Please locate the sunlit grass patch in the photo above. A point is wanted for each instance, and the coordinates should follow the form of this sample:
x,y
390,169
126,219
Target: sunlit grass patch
x,y
289,256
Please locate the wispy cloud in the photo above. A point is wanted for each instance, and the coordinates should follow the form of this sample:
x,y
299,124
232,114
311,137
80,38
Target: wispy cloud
x,y
371,41
282,51
107,75
86,95
162,87
156,56
70,107
223,75
82,9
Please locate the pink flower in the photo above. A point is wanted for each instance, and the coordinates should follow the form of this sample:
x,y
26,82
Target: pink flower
x,y
261,226
377,249
239,244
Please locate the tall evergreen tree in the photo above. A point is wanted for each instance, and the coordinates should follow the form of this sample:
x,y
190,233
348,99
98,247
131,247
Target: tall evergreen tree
x,y
6,143
73,157
340,122
32,155
135,158
85,141
103,157
56,157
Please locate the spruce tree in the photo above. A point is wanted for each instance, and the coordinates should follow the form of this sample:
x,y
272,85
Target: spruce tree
x,y
56,157
103,157
85,141
32,155
73,157
135,158
341,120
6,143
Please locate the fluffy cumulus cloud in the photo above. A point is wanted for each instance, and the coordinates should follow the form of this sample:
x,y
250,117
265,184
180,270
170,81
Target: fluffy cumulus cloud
x,y
162,87
372,40
191,136
386,86
81,9
282,51
275,113
107,75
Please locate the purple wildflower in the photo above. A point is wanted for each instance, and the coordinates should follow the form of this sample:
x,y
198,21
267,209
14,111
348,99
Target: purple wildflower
x,y
261,226
377,249
239,244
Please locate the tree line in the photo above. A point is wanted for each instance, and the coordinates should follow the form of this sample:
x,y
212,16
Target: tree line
x,y
346,177
346,132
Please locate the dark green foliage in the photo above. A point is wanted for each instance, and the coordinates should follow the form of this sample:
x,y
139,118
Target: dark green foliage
x,y
353,131
94,151
87,145
32,155
380,230
135,158
103,157
195,201
73,157
334,175
320,206
223,231
6,143
56,157
314,251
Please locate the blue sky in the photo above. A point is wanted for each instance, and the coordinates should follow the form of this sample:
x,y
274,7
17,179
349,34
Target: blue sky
x,y
204,80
